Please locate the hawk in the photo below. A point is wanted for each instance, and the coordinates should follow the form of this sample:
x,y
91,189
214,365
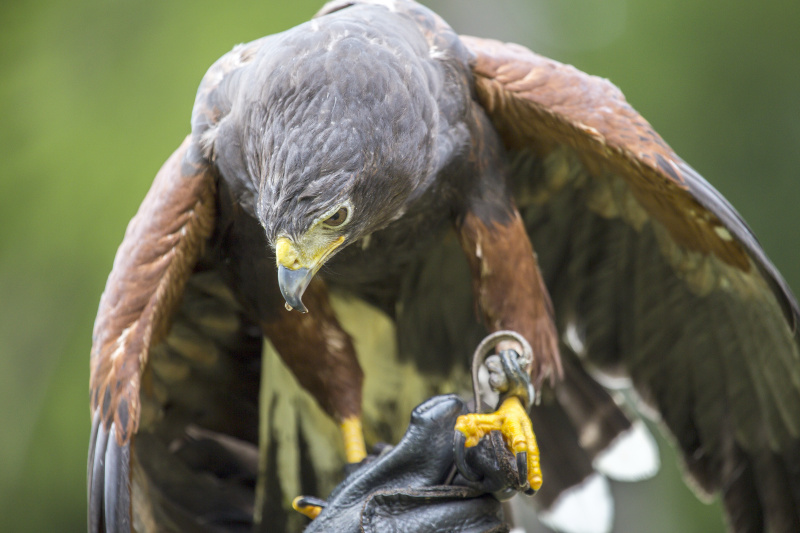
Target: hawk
x,y
458,186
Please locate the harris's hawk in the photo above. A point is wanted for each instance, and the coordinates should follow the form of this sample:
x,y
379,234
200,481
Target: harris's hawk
x,y
372,158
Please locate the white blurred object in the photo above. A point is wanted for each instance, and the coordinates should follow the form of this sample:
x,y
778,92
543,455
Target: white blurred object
x,y
632,456
585,508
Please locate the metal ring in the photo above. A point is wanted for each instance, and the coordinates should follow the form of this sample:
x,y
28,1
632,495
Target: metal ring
x,y
486,347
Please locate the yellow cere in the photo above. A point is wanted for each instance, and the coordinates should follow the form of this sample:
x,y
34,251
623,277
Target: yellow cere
x,y
310,252
286,253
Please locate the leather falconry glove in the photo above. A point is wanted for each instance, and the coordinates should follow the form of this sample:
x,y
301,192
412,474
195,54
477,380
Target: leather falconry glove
x,y
414,487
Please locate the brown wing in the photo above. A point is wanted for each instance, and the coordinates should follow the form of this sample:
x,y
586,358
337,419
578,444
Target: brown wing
x,y
177,355
140,305
655,276
161,246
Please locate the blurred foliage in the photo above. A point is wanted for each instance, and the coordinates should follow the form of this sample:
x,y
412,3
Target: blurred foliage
x,y
94,95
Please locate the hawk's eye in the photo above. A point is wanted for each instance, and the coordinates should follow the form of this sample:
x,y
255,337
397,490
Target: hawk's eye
x,y
338,218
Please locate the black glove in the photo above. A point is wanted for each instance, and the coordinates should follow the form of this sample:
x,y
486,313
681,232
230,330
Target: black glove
x,y
414,487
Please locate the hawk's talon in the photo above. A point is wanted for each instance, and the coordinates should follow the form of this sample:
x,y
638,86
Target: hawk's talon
x,y
512,420
308,506
460,454
522,468
517,380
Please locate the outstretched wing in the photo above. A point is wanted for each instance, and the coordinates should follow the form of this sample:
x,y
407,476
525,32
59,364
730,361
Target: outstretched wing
x,y
161,246
162,323
655,276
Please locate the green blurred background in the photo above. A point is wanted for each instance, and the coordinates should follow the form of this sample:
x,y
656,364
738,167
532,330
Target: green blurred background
x,y
95,94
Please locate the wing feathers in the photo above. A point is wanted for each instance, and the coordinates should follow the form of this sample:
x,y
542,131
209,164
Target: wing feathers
x,y
109,490
161,245
720,368
662,278
733,222
564,462
117,485
160,249
538,103
96,475
196,452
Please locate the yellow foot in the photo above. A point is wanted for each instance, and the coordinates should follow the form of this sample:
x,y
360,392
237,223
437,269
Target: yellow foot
x,y
515,425
354,448
308,505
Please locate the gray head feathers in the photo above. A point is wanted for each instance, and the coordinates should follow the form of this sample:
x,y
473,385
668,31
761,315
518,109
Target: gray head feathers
x,y
345,111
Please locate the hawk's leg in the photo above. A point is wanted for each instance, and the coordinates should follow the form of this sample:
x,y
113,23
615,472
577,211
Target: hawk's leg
x,y
324,363
509,288
511,295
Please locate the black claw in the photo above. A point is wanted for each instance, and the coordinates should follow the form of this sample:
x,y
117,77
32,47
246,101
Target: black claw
x,y
310,501
518,380
530,491
522,468
459,451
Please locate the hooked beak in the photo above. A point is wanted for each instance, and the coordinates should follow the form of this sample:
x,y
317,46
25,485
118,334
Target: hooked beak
x,y
293,284
298,262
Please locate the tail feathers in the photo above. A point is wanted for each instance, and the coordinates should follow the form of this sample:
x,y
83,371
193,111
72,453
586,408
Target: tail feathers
x,y
593,412
619,448
564,462
573,497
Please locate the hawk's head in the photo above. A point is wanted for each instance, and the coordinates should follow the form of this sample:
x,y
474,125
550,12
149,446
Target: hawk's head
x,y
344,133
